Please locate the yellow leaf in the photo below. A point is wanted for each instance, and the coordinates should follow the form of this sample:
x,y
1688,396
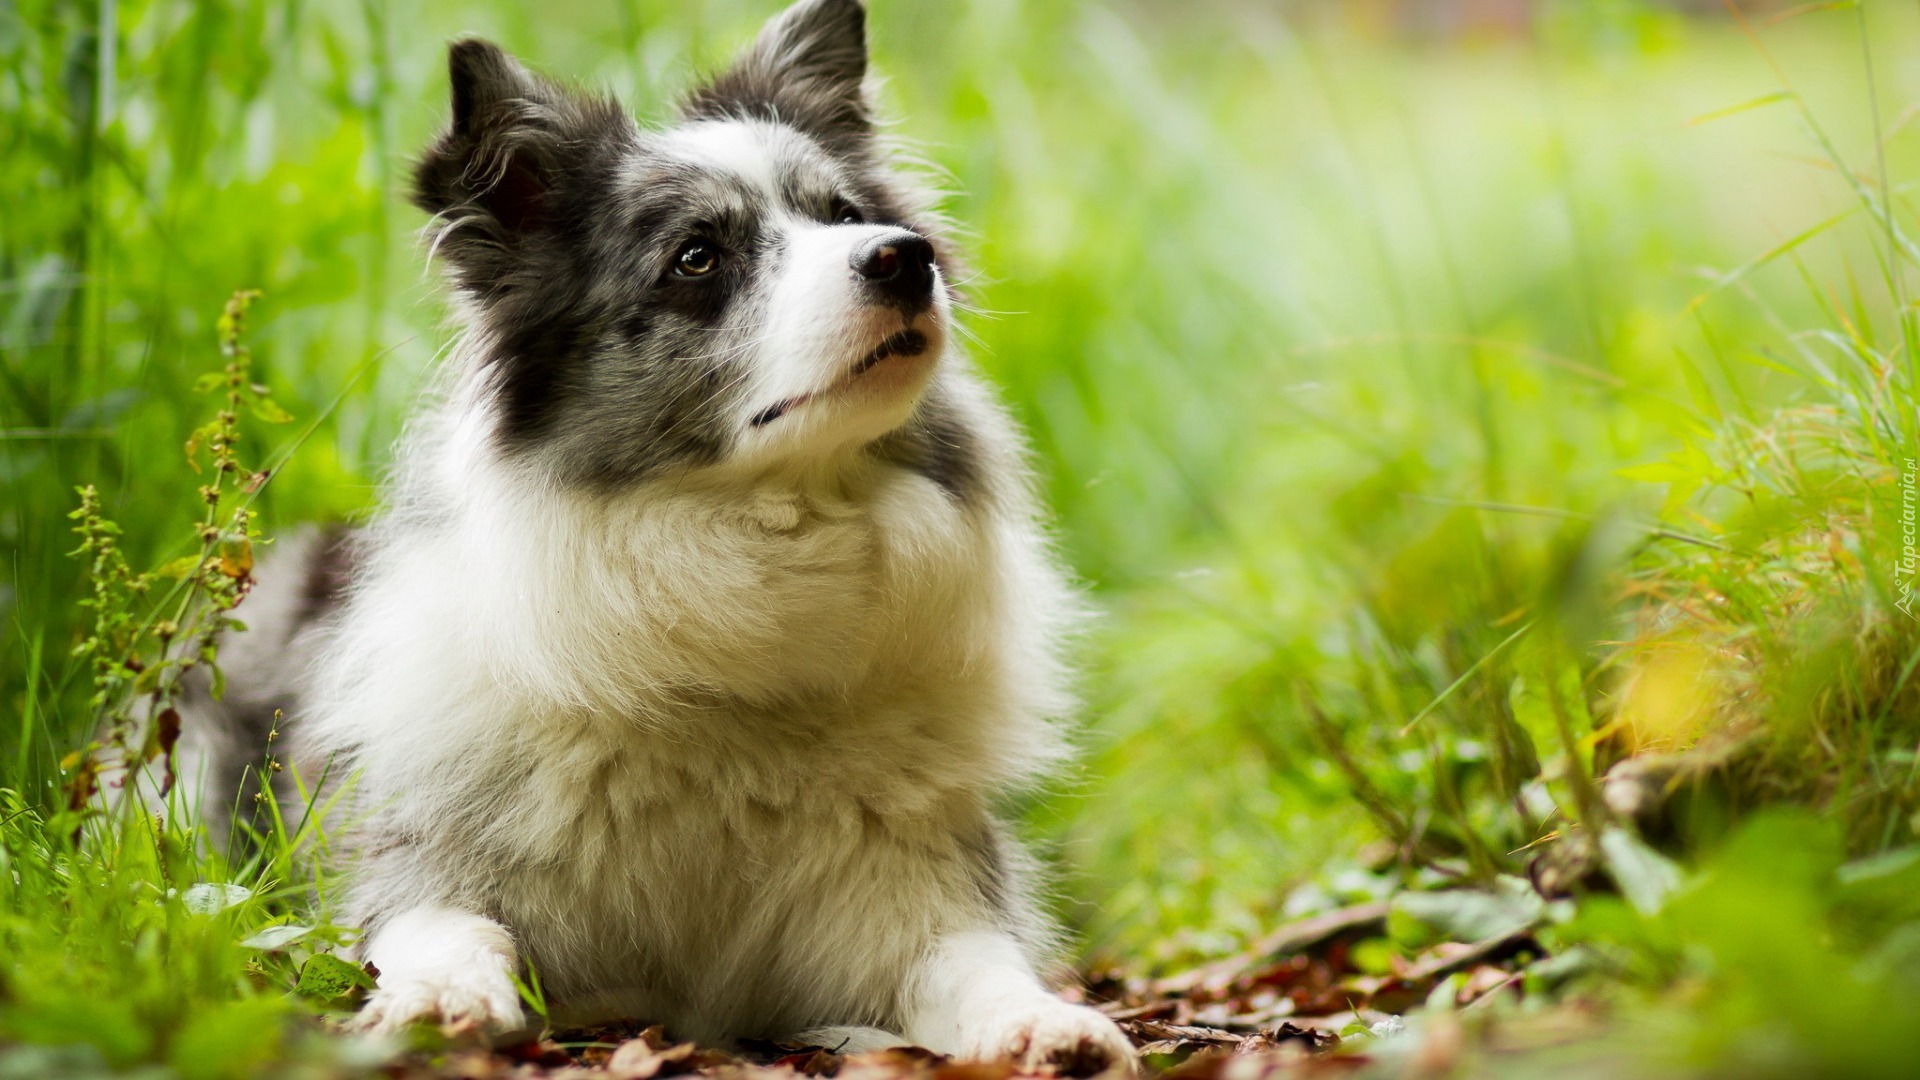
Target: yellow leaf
x,y
236,557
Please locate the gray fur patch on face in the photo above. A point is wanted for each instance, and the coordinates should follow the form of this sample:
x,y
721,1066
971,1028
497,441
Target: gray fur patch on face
x,y
940,444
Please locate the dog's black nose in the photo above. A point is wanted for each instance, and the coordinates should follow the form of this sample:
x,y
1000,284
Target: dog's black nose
x,y
899,265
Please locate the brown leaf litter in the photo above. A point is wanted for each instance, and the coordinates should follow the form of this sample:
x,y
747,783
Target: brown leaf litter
x,y
1281,1007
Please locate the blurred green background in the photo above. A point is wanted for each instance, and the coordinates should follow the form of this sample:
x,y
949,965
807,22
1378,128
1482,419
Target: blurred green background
x,y
1344,333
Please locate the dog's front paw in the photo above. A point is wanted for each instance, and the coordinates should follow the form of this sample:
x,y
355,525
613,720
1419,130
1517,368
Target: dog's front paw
x,y
486,1000
1074,1039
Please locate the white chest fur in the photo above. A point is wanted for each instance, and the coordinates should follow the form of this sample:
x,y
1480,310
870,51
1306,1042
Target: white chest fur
x,y
695,731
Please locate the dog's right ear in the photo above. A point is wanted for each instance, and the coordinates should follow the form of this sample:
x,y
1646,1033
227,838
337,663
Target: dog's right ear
x,y
483,78
491,158
491,176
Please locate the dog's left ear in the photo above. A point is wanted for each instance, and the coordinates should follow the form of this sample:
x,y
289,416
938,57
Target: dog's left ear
x,y
806,69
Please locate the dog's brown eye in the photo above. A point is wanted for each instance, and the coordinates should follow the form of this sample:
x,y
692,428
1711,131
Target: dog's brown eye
x,y
697,258
845,213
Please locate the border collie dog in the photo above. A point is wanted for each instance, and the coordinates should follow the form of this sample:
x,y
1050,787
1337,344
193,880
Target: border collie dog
x,y
708,618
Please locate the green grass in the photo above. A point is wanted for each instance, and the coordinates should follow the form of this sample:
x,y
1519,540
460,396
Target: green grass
x,y
1437,422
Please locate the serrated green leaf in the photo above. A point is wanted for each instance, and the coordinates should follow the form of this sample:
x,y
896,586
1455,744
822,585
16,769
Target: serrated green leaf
x,y
327,978
276,937
213,897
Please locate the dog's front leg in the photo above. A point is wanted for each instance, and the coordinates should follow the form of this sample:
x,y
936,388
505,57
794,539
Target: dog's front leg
x,y
444,965
976,997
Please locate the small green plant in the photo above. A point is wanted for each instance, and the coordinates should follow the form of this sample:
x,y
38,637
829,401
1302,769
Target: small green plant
x,y
141,652
535,996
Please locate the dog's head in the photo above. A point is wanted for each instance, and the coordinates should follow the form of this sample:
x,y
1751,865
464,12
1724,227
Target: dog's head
x,y
750,285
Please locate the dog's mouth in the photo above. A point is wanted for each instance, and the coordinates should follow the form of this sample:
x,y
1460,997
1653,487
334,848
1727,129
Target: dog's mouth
x,y
907,342
903,343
